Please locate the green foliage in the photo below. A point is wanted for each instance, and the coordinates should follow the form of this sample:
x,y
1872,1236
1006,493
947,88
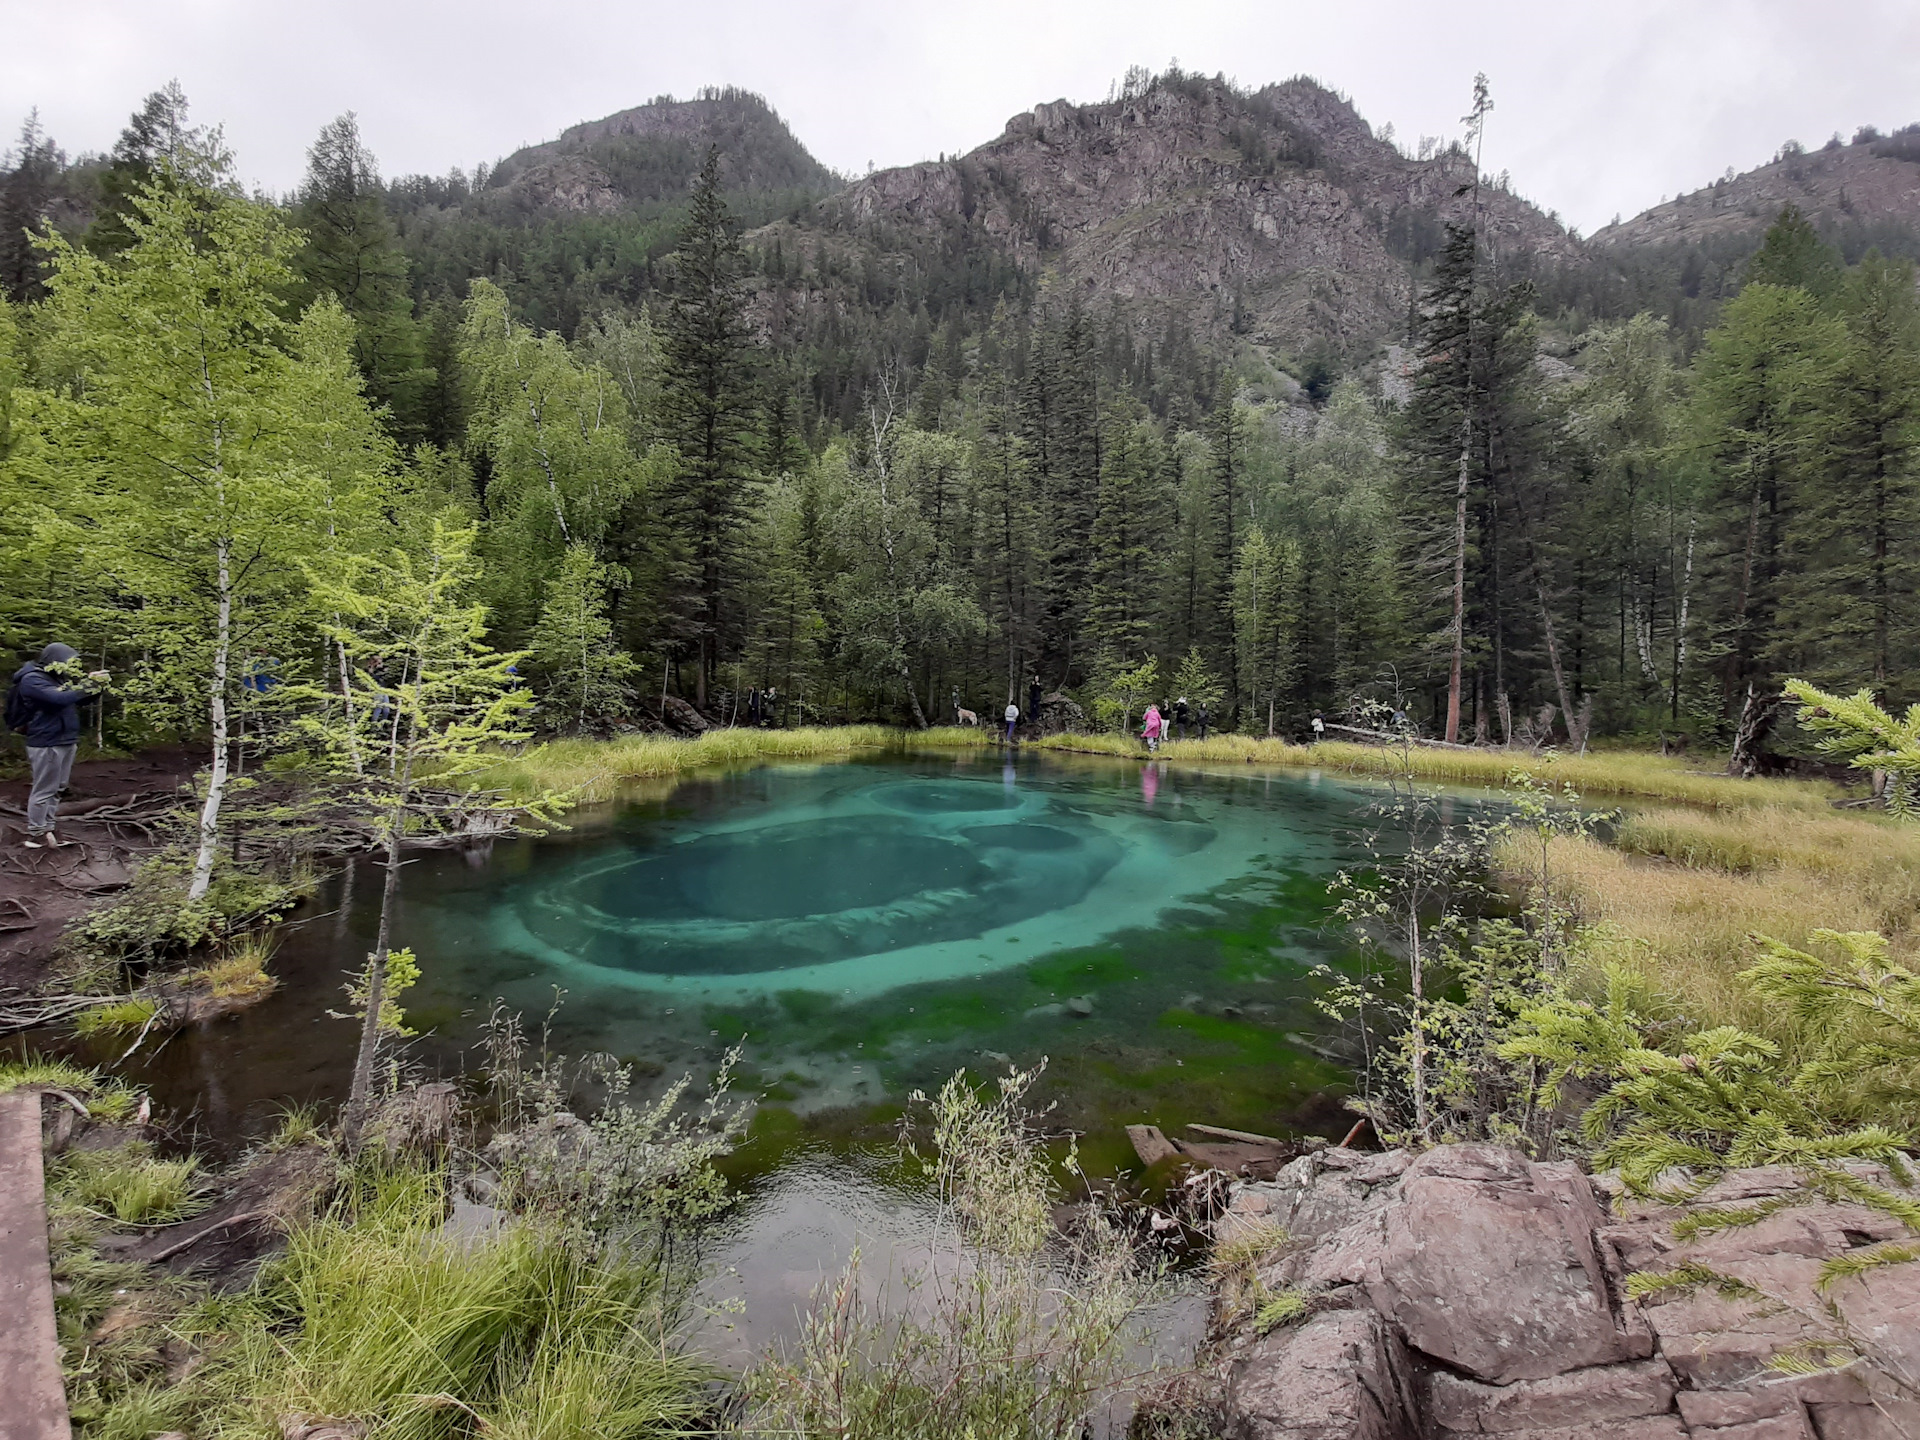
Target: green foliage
x,y
1194,680
1125,691
585,677
1697,1102
400,972
129,1184
123,1017
1686,1277
1288,1305
56,1074
1855,729
374,1313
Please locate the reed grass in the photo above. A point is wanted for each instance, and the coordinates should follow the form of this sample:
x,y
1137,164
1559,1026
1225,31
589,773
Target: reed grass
x,y
590,770
1627,774
1680,895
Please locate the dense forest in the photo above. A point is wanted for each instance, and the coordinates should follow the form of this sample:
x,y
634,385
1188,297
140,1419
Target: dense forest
x,y
940,490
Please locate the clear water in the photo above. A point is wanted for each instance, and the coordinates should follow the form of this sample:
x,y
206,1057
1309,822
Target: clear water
x,y
861,929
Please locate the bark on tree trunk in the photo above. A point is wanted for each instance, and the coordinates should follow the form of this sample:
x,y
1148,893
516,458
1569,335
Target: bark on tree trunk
x,y
1750,736
362,1089
1459,602
217,705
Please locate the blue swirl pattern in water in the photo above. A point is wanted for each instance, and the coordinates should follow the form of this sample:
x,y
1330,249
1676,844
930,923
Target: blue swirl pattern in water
x,y
899,865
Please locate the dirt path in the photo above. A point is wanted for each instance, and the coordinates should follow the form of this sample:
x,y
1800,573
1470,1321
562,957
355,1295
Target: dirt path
x,y
42,890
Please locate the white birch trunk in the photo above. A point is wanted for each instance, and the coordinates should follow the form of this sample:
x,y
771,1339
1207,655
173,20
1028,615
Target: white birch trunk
x,y
217,706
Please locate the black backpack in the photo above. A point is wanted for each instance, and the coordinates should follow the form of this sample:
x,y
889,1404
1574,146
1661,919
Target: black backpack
x,y
20,710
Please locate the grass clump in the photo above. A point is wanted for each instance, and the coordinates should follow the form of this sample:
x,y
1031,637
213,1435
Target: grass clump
x,y
105,1097
241,971
119,1018
1278,1310
1676,900
374,1314
129,1185
53,1074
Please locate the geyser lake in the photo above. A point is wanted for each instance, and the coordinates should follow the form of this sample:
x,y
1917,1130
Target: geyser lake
x,y
861,929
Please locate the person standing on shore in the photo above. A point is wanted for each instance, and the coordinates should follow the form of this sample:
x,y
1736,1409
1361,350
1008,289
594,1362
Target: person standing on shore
x,y
44,705
1152,726
1013,719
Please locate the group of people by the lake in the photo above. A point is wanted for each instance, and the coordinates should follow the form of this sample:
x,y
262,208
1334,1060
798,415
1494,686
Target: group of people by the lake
x,y
1163,718
762,705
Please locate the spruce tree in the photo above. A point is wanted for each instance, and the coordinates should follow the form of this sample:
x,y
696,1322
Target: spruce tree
x,y
1227,446
709,411
351,253
25,193
1853,604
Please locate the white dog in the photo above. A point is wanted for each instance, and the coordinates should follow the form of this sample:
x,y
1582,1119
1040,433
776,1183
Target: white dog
x,y
967,717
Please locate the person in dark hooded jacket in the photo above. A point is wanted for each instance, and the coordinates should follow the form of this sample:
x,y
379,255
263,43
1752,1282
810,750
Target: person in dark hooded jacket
x,y
51,724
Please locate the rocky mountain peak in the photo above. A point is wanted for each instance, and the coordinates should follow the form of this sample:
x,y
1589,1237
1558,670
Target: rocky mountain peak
x,y
649,154
1274,213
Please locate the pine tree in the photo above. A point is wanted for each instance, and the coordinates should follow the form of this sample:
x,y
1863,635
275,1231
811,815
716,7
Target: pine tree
x,y
157,139
1792,254
1227,445
783,650
709,411
1129,520
1853,604
1758,378
1266,612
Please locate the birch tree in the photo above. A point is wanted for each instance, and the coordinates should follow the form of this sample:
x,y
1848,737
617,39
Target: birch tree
x,y
183,445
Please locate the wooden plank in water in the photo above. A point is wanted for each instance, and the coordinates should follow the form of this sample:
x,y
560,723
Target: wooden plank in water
x,y
1150,1145
1244,1136
35,1404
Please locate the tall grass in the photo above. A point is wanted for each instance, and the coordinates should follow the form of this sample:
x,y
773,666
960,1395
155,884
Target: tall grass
x,y
599,769
1621,773
379,1317
1680,895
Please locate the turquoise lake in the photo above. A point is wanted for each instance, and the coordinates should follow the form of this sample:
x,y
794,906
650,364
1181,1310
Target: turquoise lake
x,y
861,929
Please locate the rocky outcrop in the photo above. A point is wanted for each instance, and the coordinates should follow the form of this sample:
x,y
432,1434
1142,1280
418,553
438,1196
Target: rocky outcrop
x,y
1471,1291
650,153
1276,214
1871,182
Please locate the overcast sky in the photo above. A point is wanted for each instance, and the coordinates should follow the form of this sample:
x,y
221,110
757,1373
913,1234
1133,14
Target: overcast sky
x,y
1599,108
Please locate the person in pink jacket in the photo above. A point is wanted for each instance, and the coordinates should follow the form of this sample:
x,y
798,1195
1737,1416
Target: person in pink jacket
x,y
1153,728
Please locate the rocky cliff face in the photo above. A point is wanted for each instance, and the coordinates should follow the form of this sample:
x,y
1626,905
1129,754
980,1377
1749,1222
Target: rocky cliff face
x,y
1277,213
1871,182
1469,1291
650,154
